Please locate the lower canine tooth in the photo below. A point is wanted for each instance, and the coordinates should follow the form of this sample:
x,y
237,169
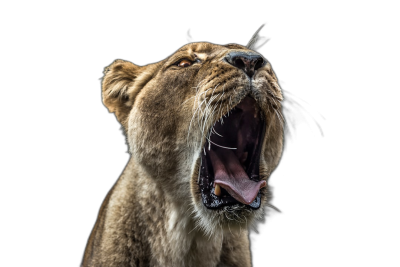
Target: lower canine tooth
x,y
217,190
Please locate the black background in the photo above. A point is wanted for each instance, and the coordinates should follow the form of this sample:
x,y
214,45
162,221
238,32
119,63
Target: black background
x,y
80,151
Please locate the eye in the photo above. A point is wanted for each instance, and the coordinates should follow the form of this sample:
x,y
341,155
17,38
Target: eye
x,y
184,63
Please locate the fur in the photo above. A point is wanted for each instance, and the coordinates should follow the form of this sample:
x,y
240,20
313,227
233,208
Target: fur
x,y
154,215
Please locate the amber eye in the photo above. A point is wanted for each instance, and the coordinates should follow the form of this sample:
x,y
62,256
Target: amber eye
x,y
184,63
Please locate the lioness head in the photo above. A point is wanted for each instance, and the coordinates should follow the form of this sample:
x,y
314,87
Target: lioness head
x,y
206,125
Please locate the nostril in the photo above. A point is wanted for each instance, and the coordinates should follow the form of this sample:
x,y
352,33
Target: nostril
x,y
238,63
259,64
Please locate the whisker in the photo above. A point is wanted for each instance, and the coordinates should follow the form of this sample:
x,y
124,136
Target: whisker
x,y
216,132
291,121
262,44
207,111
203,112
254,38
273,207
190,124
281,123
282,119
291,101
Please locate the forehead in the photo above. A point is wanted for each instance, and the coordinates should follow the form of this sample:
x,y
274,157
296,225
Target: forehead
x,y
209,48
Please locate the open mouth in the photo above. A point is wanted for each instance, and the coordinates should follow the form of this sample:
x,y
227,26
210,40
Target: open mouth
x,y
230,161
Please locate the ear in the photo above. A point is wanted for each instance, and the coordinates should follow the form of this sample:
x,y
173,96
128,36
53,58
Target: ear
x,y
122,82
118,78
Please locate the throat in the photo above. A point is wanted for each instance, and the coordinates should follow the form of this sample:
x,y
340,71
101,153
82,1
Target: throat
x,y
188,245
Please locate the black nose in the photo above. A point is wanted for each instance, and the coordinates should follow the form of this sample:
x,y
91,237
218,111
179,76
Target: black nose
x,y
248,62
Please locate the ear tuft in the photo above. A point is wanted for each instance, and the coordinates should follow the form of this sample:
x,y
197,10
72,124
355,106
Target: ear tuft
x,y
118,78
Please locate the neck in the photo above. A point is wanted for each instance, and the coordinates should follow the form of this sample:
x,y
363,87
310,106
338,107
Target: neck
x,y
163,223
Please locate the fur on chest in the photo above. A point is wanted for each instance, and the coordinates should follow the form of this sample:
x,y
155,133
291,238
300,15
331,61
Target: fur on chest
x,y
148,224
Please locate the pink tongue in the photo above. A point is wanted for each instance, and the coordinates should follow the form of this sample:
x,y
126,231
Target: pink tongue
x,y
230,175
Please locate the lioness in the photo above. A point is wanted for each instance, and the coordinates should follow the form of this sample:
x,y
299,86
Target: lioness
x,y
205,131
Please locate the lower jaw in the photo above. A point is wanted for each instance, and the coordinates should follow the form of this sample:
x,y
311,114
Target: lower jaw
x,y
214,202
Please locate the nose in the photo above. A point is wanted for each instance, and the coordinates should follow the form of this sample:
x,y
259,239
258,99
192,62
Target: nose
x,y
248,62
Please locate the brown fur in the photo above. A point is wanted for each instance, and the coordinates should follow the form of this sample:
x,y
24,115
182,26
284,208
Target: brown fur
x,y
154,215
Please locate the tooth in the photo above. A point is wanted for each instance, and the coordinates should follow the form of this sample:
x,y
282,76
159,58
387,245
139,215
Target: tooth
x,y
217,190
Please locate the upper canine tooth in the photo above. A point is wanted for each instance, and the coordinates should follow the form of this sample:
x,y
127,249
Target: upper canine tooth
x,y
217,190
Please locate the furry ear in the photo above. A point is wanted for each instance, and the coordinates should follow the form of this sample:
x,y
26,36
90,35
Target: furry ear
x,y
118,78
122,82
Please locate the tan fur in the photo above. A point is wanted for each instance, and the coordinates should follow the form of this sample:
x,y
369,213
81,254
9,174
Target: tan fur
x,y
154,215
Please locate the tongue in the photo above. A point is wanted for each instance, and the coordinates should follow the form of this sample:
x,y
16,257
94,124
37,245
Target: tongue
x,y
231,176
